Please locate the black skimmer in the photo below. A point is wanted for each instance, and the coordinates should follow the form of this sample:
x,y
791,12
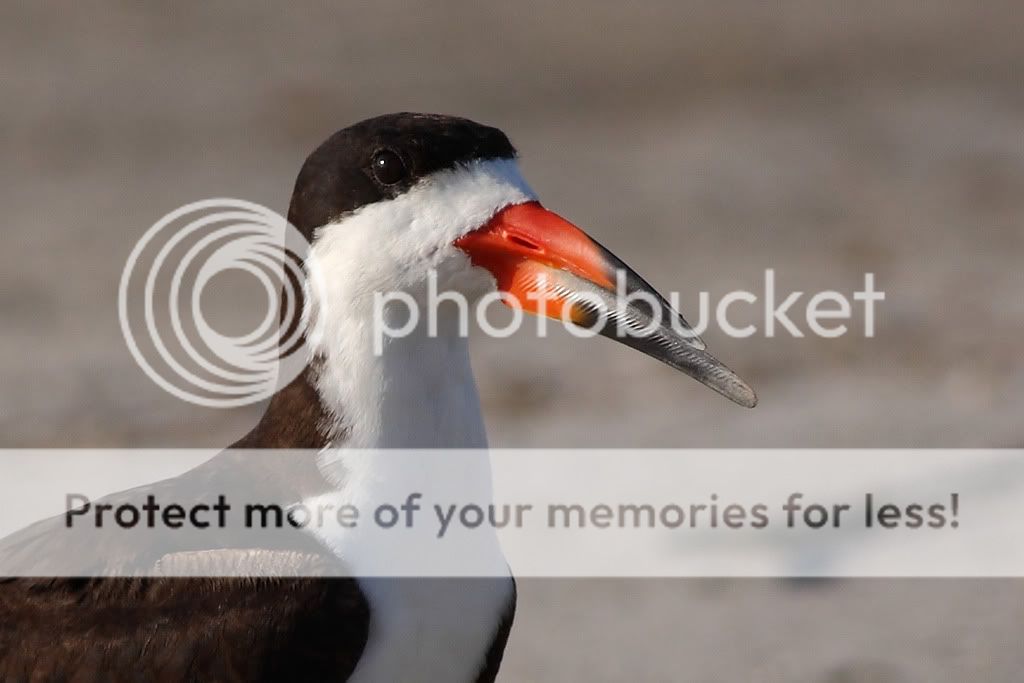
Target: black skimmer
x,y
383,203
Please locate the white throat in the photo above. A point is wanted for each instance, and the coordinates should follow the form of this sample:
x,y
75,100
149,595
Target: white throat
x,y
419,392
415,390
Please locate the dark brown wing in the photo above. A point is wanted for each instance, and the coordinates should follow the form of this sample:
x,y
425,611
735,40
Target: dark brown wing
x,y
180,629
175,629
183,629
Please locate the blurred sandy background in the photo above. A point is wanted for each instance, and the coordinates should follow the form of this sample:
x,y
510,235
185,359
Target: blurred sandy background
x,y
702,143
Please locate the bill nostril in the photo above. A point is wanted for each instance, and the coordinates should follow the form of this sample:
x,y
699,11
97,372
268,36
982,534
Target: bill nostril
x,y
524,242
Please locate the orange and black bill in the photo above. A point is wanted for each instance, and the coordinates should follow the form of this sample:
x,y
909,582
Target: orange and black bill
x,y
552,268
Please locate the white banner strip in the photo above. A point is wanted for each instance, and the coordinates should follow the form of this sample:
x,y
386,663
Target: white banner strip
x,y
566,513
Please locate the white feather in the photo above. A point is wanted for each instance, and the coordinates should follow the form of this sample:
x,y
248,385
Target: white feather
x,y
419,392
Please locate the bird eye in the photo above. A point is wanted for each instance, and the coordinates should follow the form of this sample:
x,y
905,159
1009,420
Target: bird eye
x,y
388,168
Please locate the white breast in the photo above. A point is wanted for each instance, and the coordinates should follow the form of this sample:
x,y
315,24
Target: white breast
x,y
429,629
436,630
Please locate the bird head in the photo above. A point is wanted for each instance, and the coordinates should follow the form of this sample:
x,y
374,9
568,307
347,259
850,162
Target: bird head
x,y
403,202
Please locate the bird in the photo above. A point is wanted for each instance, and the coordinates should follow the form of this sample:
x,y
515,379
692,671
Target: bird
x,y
382,203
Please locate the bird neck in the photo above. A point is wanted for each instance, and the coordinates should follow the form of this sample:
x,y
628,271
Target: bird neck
x,y
415,390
